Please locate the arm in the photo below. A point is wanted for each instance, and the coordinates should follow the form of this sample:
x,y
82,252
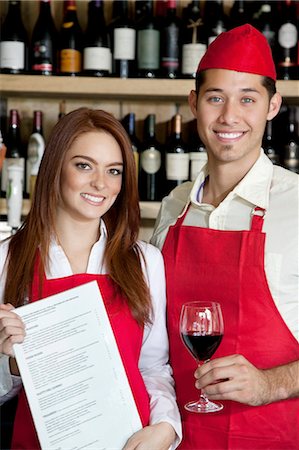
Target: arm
x,y
244,383
165,423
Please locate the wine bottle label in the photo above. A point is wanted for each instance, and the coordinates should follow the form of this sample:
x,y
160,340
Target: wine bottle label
x,y
124,43
287,35
150,160
14,195
177,166
12,55
35,150
148,49
70,60
192,54
4,174
97,58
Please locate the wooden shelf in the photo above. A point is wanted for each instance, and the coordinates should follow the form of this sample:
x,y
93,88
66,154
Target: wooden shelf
x,y
113,88
149,210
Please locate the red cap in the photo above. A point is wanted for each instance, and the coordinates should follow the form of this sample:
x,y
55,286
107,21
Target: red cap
x,y
243,49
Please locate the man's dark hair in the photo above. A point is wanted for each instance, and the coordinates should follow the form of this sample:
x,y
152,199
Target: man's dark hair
x,y
267,82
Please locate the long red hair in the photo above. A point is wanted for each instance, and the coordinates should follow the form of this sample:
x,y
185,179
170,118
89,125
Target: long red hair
x,y
123,256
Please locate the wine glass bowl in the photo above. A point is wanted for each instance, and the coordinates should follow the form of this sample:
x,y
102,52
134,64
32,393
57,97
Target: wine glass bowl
x,y
201,328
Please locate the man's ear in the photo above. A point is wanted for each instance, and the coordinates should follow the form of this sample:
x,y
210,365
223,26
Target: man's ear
x,y
274,106
192,99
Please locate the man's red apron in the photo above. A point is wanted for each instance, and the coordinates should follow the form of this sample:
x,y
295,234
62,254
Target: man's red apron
x,y
128,336
228,267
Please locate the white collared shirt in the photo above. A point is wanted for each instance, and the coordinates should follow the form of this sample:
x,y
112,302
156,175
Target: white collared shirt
x,y
270,187
153,362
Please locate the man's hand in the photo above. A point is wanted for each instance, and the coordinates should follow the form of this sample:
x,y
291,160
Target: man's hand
x,y
153,437
235,378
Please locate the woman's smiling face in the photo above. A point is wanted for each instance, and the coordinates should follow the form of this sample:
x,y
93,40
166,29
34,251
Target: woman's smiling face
x,y
91,176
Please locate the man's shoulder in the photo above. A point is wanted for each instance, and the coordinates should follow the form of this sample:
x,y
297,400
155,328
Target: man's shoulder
x,y
284,179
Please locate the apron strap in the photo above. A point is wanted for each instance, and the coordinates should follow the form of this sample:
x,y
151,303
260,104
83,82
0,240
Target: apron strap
x,y
257,221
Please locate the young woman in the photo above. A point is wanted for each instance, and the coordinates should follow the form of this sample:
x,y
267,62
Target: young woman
x,y
83,225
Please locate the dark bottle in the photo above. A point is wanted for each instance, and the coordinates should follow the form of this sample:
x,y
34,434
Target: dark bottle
x,y
43,49
71,40
129,122
124,42
35,151
291,144
215,18
170,42
62,112
265,22
269,146
194,39
177,156
151,174
287,42
14,41
239,15
148,43
15,153
97,56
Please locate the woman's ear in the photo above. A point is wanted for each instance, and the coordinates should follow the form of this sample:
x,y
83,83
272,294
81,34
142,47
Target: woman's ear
x,y
274,106
192,99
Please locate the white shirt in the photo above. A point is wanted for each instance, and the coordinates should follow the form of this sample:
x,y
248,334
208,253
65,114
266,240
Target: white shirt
x,y
153,362
270,187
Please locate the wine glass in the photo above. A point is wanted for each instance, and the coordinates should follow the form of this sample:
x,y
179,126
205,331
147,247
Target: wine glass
x,y
201,328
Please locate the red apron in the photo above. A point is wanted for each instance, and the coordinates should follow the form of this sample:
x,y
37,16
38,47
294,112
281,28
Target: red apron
x,y
128,336
228,267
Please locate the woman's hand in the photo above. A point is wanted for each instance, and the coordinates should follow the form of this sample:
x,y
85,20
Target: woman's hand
x,y
12,329
153,437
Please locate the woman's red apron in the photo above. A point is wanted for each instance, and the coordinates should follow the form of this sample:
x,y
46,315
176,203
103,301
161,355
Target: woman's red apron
x,y
228,267
128,336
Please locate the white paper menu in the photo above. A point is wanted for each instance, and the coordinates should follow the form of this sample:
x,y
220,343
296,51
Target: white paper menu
x,y
74,379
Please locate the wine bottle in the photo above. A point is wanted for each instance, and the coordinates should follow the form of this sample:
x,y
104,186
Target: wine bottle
x,y
71,38
128,123
124,42
35,151
239,14
265,22
14,197
97,56
291,144
177,156
287,42
62,107
194,39
151,175
268,144
14,41
170,42
15,151
215,18
148,43
43,49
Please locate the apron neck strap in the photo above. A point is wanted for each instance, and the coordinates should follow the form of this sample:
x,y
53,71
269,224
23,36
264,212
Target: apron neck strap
x,y
257,221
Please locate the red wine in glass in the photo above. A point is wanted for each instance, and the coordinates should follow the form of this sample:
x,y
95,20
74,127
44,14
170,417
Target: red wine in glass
x,y
201,327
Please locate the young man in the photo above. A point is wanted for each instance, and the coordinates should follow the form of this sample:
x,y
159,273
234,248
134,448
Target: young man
x,y
232,237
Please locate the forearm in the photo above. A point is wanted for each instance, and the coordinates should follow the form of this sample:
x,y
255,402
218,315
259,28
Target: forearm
x,y
283,382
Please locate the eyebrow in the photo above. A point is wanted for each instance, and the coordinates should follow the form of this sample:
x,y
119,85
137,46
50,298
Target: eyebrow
x,y
116,163
245,90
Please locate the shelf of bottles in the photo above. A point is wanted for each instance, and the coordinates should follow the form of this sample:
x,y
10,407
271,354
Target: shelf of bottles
x,y
56,86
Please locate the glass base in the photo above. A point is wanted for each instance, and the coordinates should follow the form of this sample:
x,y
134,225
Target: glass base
x,y
203,406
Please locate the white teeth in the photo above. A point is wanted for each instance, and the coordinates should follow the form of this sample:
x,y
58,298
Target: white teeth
x,y
92,198
229,135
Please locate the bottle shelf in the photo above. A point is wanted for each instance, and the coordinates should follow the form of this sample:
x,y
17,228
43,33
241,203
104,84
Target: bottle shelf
x,y
113,88
149,210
